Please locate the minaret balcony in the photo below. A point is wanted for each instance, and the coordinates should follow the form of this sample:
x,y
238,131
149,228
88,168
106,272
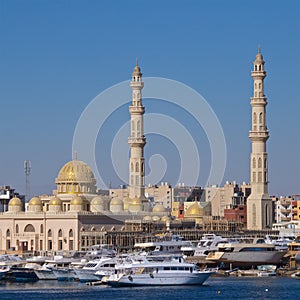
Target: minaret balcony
x,y
137,84
138,110
258,74
258,136
258,101
137,141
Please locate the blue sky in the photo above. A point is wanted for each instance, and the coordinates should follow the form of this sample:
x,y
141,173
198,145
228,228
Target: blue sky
x,y
56,56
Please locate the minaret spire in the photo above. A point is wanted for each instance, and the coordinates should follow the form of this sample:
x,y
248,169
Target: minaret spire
x,y
259,203
137,139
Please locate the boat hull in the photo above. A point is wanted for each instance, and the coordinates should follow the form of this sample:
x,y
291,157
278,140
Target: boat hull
x,y
86,275
45,275
158,279
23,274
238,259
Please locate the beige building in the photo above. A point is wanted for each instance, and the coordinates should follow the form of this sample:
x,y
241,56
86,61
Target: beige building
x,y
222,197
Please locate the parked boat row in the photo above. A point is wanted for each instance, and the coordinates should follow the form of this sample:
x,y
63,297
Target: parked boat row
x,y
157,260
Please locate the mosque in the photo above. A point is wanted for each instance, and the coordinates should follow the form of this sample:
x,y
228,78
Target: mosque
x,y
58,222
76,217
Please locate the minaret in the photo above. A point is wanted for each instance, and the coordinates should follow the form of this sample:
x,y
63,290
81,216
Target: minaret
x,y
259,203
136,139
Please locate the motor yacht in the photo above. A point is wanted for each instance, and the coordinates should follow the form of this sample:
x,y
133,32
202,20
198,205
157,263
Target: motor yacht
x,y
141,272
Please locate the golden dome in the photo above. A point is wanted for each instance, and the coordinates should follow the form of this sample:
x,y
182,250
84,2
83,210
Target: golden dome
x,y
35,201
76,171
155,218
15,201
158,208
165,218
98,200
194,210
77,200
136,201
147,218
55,201
116,201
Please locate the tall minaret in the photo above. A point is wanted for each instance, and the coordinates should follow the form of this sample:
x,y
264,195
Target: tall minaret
x,y
136,139
259,203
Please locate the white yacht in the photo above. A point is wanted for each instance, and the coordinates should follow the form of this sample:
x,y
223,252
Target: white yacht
x,y
95,269
163,248
141,272
208,243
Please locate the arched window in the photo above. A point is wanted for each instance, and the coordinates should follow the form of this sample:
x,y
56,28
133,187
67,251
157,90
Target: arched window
x,y
266,177
17,228
71,234
132,125
259,162
142,167
60,240
254,118
253,215
132,179
7,233
41,228
138,129
265,163
29,228
137,169
254,163
260,118
267,214
131,167
259,177
49,233
253,177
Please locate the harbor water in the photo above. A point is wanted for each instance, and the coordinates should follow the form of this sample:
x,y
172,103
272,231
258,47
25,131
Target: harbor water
x,y
214,288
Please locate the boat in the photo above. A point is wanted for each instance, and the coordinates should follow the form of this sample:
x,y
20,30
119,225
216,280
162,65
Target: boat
x,y
59,268
251,254
4,269
208,243
101,250
261,271
141,272
95,269
281,242
159,249
23,272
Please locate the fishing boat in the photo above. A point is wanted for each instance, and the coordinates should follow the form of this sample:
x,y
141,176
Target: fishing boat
x,y
141,272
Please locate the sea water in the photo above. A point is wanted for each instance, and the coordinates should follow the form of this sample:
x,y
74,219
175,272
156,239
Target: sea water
x,y
214,288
